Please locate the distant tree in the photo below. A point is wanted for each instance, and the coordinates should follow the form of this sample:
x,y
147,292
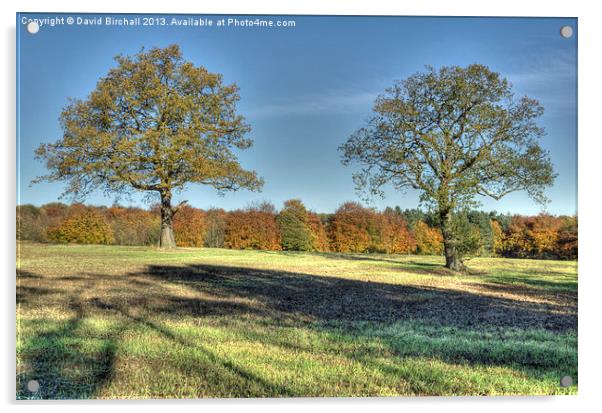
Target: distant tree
x,y
215,228
543,231
253,228
189,227
567,242
411,216
293,222
517,240
532,237
453,134
429,241
503,219
30,223
349,227
55,213
154,123
392,235
497,235
318,233
134,226
87,226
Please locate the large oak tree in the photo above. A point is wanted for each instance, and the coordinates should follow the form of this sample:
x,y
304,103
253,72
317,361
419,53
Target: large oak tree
x,y
452,134
154,123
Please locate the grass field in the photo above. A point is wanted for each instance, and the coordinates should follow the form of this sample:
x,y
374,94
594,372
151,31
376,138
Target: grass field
x,y
135,322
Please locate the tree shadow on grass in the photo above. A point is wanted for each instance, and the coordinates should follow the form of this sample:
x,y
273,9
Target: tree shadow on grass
x,y
407,265
202,369
55,357
454,326
334,299
540,284
403,263
21,274
58,354
410,321
371,257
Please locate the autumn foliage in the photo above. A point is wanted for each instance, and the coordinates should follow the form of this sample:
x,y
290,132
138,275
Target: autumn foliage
x,y
252,228
429,241
189,227
353,228
319,236
348,228
133,226
542,236
391,234
85,226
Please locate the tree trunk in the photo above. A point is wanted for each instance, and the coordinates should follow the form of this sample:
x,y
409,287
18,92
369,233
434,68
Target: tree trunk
x,y
452,259
167,239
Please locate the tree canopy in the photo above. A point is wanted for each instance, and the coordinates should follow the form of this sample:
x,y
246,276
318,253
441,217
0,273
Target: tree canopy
x,y
154,123
453,134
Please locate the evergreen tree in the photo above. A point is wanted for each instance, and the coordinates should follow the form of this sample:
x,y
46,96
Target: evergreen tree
x,y
293,222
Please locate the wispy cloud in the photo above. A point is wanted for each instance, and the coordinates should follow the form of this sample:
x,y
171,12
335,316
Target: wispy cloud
x,y
333,101
549,79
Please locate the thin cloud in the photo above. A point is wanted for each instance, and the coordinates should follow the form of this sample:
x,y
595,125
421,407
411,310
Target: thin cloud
x,y
341,102
549,80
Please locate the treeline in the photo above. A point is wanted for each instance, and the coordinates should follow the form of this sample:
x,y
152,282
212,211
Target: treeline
x,y
352,228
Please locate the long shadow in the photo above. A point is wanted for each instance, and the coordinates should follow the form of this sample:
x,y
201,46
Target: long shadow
x,y
425,268
429,318
564,292
435,315
340,300
26,274
375,257
213,357
538,283
404,265
24,293
54,358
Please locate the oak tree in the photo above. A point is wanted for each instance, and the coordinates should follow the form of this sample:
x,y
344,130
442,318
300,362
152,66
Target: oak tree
x,y
154,123
453,134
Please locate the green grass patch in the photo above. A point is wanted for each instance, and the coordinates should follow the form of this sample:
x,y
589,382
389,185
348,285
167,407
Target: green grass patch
x,y
135,322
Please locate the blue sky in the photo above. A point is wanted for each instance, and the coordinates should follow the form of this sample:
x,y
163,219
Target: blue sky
x,y
304,90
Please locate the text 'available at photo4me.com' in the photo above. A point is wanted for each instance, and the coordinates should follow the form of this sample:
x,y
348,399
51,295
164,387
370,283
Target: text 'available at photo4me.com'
x,y
161,20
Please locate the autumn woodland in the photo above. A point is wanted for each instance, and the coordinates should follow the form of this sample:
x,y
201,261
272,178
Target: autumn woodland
x,y
260,226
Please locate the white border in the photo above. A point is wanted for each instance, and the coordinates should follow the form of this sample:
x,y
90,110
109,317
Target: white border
x,y
590,277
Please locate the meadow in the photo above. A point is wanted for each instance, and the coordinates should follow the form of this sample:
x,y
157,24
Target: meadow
x,y
137,322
